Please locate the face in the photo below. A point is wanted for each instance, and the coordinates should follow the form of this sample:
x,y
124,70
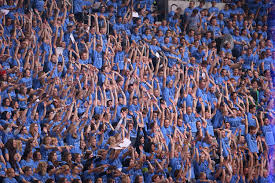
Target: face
x,y
189,110
29,171
140,179
157,179
66,169
93,141
179,122
99,48
24,130
75,170
166,123
266,121
191,4
7,102
135,101
11,173
227,125
38,155
202,84
208,115
202,157
223,133
131,126
48,140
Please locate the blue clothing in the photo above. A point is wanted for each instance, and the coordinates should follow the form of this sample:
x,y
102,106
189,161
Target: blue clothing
x,y
252,143
97,59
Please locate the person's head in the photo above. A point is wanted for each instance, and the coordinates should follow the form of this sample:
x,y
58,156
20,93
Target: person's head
x,y
37,156
189,110
24,130
119,19
138,21
139,179
220,16
155,178
252,130
180,122
252,109
193,60
236,32
227,125
166,122
136,30
194,12
47,140
191,4
191,33
202,157
266,173
135,100
34,127
202,176
130,125
10,173
202,84
98,47
266,121
214,21
5,115
268,52
66,169
66,156
125,178
75,169
152,147
6,102
27,170
213,2
63,180
28,154
52,156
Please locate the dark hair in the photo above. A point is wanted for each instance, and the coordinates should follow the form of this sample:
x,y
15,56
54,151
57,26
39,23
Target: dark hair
x,y
126,162
3,115
76,181
49,181
35,157
62,180
26,168
26,153
195,11
50,158
4,101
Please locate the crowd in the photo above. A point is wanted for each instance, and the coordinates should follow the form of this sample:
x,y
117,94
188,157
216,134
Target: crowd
x,y
98,91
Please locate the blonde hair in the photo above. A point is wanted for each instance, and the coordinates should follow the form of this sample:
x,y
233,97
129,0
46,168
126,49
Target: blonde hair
x,y
42,167
31,130
18,145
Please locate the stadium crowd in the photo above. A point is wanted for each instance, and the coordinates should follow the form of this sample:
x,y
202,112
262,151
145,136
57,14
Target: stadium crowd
x,y
100,92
